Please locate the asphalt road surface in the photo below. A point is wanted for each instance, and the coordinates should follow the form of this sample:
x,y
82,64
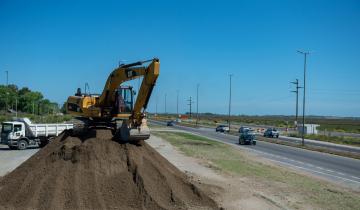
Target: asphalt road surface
x,y
341,170
10,159
328,145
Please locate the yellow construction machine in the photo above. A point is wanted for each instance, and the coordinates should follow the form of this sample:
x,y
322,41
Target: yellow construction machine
x,y
115,108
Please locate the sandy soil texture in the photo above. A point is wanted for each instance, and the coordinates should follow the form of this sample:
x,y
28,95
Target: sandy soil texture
x,y
95,172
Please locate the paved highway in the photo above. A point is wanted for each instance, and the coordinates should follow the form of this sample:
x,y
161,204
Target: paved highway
x,y
328,145
342,170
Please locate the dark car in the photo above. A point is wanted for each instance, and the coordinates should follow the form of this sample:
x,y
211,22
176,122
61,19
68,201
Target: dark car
x,y
247,137
244,129
222,128
271,133
170,123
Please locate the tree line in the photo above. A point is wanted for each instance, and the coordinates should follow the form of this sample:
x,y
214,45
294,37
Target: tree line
x,y
25,100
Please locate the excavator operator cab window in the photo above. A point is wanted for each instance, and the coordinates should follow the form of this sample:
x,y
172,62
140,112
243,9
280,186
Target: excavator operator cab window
x,y
124,99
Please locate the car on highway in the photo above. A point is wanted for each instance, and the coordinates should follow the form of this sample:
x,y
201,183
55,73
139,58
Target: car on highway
x,y
222,128
271,133
244,129
247,137
170,123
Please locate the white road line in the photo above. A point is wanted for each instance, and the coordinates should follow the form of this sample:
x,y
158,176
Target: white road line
x,y
346,179
354,177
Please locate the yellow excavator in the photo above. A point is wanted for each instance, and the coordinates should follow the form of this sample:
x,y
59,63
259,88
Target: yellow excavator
x,y
115,108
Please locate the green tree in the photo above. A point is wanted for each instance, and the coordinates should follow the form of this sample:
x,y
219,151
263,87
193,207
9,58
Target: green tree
x,y
29,102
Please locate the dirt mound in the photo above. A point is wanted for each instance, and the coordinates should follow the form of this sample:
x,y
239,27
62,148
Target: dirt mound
x,y
98,173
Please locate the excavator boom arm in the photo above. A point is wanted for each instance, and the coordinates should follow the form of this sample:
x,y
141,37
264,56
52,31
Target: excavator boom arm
x,y
146,88
130,72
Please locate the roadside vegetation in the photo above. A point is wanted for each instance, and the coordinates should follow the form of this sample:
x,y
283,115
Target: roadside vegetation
x,y
226,159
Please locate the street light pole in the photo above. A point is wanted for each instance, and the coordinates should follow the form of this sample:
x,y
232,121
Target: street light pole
x,y
303,117
230,75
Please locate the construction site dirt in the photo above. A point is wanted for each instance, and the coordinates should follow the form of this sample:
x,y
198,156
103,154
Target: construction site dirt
x,y
95,172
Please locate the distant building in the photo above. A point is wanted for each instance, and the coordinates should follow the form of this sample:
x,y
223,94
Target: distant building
x,y
309,128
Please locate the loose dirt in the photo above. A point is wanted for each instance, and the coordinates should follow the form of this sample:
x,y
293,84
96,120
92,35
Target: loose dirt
x,y
95,172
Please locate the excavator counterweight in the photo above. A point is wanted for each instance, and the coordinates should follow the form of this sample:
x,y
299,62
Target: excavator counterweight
x,y
115,108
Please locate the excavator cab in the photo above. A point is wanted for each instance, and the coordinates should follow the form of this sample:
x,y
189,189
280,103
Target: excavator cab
x,y
124,100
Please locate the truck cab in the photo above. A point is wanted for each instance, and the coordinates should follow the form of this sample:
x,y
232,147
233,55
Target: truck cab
x,y
12,133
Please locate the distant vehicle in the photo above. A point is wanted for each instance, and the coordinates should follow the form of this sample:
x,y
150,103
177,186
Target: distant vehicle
x,y
247,137
21,133
222,128
271,133
244,129
170,123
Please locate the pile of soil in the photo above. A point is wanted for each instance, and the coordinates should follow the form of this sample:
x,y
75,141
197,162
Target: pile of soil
x,y
95,172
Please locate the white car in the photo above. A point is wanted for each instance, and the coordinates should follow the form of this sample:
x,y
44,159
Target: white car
x,y
222,128
271,133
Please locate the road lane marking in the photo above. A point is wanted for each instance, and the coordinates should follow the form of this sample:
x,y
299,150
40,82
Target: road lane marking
x,y
343,178
354,177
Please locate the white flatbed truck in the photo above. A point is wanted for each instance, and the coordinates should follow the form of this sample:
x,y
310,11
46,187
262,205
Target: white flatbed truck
x,y
21,133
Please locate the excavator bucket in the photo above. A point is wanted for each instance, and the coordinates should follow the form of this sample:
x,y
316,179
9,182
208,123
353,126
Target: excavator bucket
x,y
134,134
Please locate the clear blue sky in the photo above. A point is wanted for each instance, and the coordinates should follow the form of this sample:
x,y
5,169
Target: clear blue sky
x,y
56,46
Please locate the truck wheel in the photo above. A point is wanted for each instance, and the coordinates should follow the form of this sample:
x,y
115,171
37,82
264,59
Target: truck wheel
x,y
22,144
254,142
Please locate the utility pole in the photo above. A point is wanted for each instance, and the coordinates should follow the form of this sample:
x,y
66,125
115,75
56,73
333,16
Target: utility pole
x,y
230,76
303,117
177,103
197,103
190,103
297,99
